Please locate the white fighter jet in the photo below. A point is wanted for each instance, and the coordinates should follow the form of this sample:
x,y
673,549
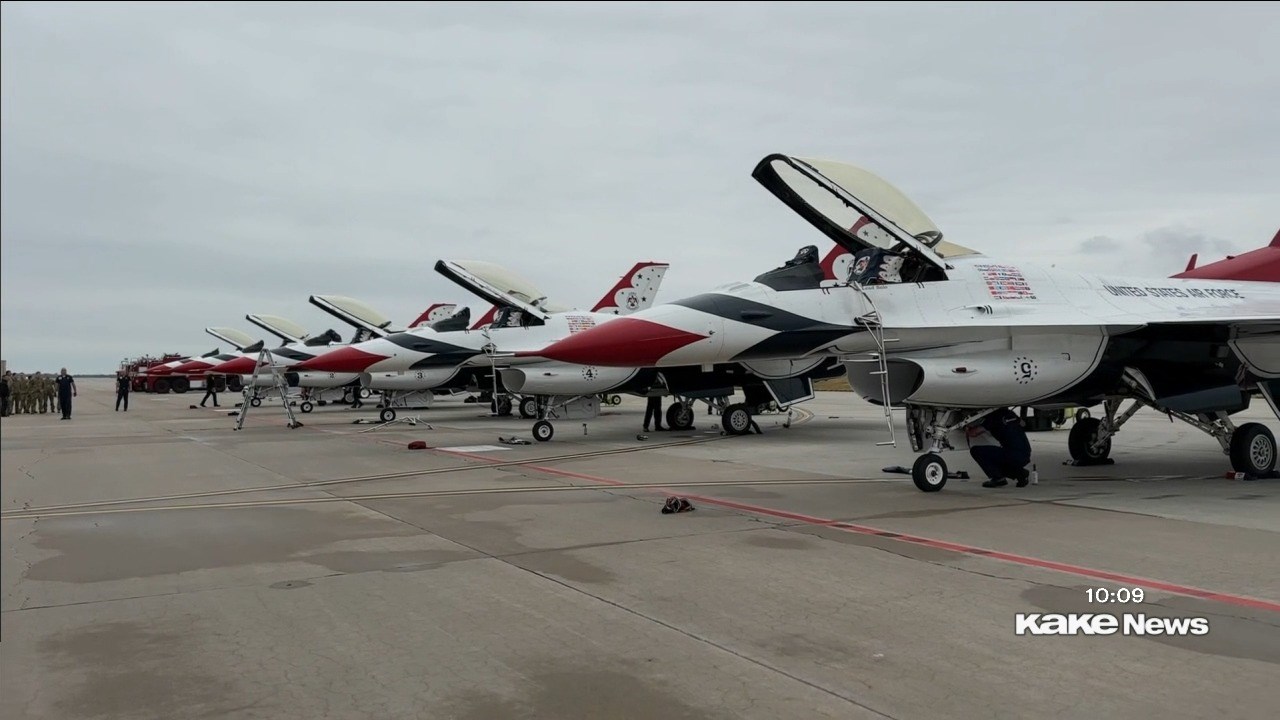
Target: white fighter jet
x,y
455,357
951,334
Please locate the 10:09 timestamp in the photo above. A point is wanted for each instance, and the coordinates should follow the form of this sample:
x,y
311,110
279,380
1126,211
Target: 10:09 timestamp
x,y
1121,595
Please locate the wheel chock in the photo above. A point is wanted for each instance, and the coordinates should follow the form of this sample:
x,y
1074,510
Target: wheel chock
x,y
1088,463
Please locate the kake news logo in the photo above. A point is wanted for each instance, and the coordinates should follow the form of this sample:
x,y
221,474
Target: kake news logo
x,y
1107,624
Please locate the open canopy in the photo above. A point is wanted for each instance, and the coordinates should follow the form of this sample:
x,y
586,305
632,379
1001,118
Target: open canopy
x,y
854,207
499,286
286,330
237,338
354,313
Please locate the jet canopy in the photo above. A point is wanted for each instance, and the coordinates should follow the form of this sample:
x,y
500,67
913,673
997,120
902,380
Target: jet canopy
x,y
354,313
287,330
499,286
238,339
856,208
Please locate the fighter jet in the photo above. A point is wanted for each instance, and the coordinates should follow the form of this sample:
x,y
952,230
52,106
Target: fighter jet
x,y
950,334
178,375
197,368
456,357
547,384
297,345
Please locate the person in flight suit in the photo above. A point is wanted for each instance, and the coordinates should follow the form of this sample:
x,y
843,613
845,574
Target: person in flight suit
x,y
122,390
210,391
1000,447
29,394
19,391
66,391
39,400
653,409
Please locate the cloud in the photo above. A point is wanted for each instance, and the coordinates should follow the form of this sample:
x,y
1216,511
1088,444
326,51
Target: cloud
x,y
172,167
1100,243
1185,241
1160,252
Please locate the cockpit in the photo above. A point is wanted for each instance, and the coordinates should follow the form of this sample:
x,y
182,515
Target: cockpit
x,y
802,272
893,240
460,320
509,317
877,266
324,338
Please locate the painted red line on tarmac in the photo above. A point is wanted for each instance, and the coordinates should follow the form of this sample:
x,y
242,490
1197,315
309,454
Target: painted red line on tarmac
x,y
1237,600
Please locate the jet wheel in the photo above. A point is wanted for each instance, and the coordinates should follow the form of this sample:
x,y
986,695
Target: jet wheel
x,y
387,415
1253,449
680,416
542,431
529,408
736,419
929,473
306,406
1080,441
255,402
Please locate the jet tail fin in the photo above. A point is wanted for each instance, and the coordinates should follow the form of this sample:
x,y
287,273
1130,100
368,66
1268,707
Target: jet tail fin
x,y
1191,264
486,318
1275,241
835,266
635,291
437,311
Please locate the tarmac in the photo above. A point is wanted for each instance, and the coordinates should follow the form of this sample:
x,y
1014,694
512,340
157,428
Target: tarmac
x,y
160,564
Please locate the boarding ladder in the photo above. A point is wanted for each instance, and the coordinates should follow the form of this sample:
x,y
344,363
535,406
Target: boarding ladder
x,y
874,324
490,349
266,359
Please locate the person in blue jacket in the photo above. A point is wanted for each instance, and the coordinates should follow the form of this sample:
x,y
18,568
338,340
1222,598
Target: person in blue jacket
x,y
1000,446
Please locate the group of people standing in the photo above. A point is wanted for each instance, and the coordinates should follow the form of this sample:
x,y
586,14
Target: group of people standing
x,y
37,393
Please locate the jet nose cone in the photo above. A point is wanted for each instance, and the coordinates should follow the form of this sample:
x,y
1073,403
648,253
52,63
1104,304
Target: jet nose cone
x,y
625,342
159,370
239,366
342,360
191,367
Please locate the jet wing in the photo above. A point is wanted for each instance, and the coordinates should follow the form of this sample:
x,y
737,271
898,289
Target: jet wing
x,y
286,330
854,207
498,286
354,313
237,339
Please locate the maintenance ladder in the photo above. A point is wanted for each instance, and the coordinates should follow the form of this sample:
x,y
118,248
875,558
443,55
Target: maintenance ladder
x,y
874,324
266,359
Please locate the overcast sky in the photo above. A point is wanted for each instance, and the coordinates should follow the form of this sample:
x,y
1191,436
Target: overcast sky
x,y
167,168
